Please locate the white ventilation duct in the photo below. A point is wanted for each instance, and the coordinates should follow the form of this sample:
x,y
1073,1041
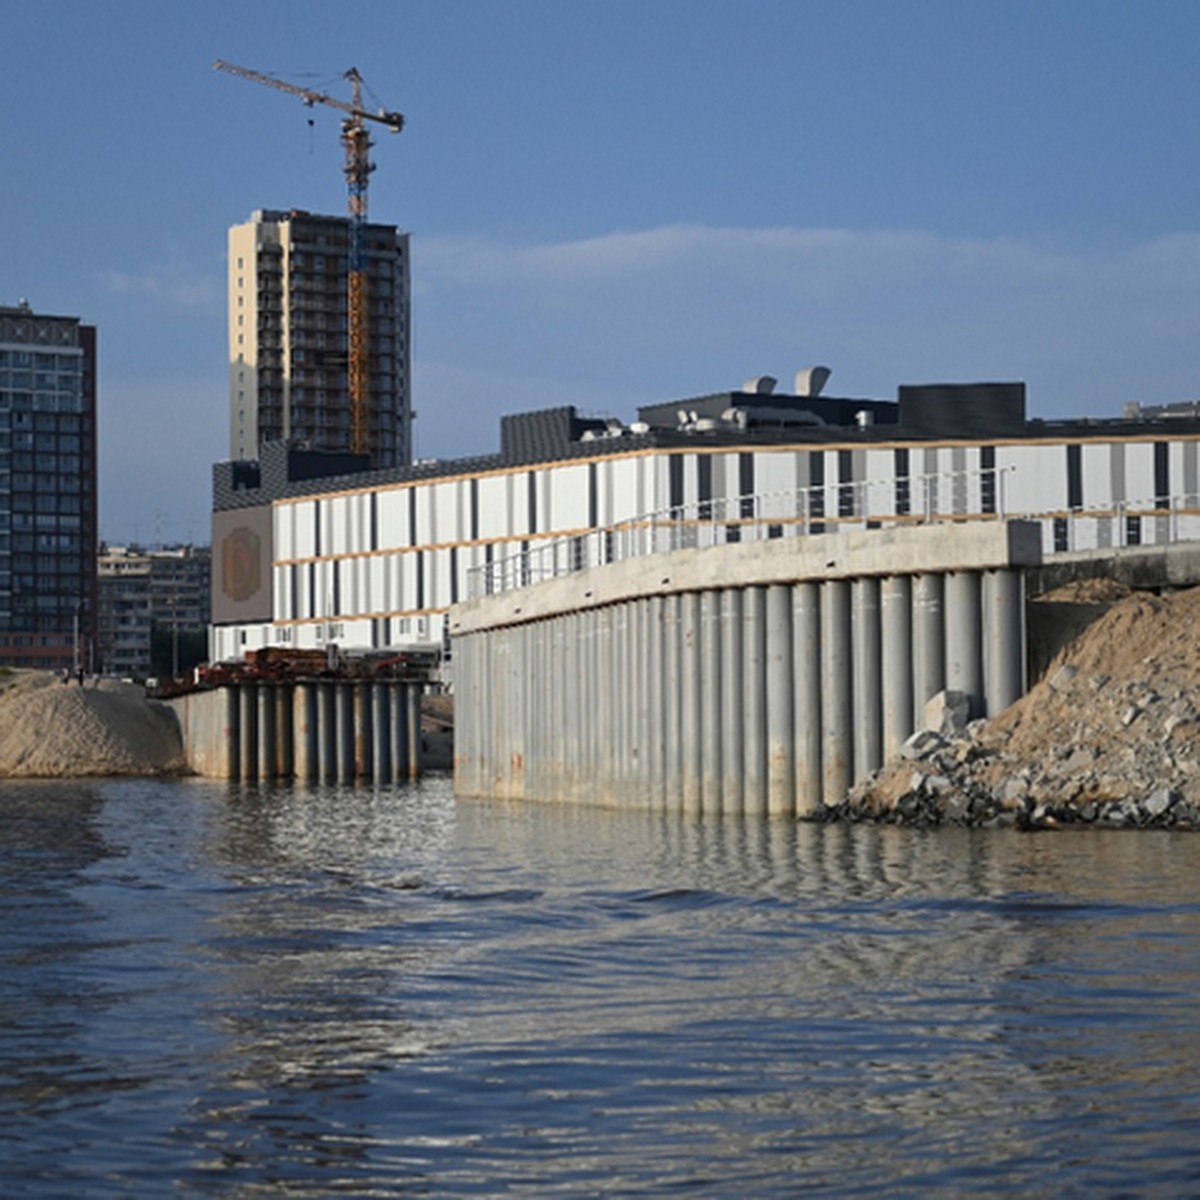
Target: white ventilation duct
x,y
810,380
760,385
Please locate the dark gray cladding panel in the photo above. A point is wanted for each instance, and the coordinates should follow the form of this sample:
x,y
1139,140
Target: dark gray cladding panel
x,y
547,434
952,410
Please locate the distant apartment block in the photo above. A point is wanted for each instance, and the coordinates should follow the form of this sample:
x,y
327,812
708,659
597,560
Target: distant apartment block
x,y
288,336
150,599
48,606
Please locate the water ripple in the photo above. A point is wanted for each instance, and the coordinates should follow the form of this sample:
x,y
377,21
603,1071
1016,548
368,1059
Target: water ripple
x,y
214,991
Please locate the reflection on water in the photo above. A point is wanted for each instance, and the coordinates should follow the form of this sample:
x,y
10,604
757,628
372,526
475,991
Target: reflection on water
x,y
207,990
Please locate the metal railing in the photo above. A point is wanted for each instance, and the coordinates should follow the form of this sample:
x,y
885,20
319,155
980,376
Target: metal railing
x,y
826,508
795,512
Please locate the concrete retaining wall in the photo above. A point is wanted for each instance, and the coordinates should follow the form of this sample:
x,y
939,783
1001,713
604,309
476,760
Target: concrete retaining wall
x,y
755,679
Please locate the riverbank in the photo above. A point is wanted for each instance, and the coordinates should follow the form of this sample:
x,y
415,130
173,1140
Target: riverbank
x,y
1109,736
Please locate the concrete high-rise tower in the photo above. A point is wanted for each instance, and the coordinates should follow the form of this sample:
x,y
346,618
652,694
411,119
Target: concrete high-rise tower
x,y
289,336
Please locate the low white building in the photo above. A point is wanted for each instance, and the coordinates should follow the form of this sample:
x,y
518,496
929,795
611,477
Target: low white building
x,y
312,549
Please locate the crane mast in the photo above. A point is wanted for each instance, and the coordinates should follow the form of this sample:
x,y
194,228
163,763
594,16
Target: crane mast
x,y
356,141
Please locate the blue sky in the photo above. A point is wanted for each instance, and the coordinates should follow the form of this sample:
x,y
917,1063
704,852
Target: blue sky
x,y
618,202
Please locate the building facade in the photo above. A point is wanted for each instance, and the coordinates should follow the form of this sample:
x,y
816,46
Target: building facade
x,y
146,594
48,504
308,555
288,336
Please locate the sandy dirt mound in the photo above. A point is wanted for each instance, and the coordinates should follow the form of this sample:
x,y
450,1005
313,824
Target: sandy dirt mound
x,y
51,729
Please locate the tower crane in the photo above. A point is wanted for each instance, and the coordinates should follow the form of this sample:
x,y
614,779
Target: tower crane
x,y
358,167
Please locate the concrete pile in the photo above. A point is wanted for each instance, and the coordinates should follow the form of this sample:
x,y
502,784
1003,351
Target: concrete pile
x,y
1110,737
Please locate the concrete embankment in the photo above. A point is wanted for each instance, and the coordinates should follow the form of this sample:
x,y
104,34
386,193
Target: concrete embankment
x,y
1109,736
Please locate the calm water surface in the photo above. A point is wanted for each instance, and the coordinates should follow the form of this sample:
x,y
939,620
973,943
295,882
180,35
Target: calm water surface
x,y
208,991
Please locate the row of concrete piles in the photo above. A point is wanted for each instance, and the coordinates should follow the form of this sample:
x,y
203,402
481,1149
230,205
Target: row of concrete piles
x,y
762,697
312,731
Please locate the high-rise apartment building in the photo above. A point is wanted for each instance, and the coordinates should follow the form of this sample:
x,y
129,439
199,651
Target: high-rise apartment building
x,y
288,336
48,507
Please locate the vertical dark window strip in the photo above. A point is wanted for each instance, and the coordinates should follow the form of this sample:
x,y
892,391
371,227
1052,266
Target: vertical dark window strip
x,y
746,483
531,483
675,481
312,589
295,572
420,557
316,527
987,480
903,482
1075,477
816,493
474,510
845,483
1162,475
412,516
593,496
337,588
374,520
704,474
453,574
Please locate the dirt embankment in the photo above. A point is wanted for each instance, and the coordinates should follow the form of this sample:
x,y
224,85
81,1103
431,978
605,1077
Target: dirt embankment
x,y
51,729
1109,735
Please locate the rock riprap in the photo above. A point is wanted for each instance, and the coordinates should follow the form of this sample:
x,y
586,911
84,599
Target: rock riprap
x,y
51,729
1109,736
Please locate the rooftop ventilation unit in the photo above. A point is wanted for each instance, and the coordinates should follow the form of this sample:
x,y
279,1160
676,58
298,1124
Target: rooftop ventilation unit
x,y
760,385
810,380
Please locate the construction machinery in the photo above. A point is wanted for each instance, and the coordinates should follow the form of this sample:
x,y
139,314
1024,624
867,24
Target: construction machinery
x,y
358,167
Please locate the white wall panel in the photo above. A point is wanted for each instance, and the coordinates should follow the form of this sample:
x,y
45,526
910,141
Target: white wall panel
x,y
493,506
1035,478
281,592
1139,474
304,540
620,500
445,508
439,580
569,502
879,476
775,471
393,517
426,528
283,531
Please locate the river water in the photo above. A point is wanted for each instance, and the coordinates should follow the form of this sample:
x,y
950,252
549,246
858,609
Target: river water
x,y
213,991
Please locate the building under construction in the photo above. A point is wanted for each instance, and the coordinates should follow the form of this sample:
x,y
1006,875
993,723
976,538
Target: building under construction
x,y
289,336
